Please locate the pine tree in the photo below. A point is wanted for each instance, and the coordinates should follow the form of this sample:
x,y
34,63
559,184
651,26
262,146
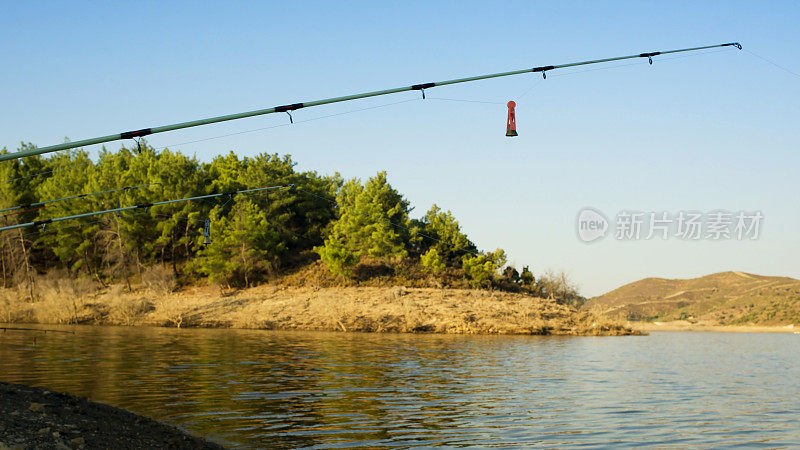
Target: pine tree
x,y
243,245
432,261
442,232
483,268
373,223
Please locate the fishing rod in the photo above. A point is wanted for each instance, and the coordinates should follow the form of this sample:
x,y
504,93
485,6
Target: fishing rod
x,y
295,106
44,222
45,330
39,205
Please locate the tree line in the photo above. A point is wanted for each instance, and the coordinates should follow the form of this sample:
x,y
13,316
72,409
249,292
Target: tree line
x,y
359,230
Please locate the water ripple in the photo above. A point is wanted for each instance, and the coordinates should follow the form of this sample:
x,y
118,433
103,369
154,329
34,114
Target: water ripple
x,y
329,390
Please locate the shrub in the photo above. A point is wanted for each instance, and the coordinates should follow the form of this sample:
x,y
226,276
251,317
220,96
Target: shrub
x,y
482,268
159,279
432,261
558,286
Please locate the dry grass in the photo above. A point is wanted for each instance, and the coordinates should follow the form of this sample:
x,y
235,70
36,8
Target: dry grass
x,y
160,280
58,298
8,305
349,309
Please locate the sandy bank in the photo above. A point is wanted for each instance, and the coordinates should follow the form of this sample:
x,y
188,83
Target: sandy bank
x,y
365,309
682,325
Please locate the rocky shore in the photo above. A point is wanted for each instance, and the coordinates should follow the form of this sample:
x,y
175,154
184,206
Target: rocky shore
x,y
33,418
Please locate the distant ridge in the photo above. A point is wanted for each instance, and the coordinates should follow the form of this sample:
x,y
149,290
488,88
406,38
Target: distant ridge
x,y
725,298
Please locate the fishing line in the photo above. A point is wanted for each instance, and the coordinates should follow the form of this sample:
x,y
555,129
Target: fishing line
x,y
420,87
287,124
134,207
414,87
126,214
110,158
79,225
464,100
178,217
38,205
639,63
774,63
617,66
129,214
159,150
530,88
48,171
62,227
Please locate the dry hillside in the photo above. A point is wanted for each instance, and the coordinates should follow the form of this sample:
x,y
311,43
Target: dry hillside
x,y
346,309
728,298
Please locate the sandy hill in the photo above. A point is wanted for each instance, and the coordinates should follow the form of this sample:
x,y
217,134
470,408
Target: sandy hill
x,y
723,298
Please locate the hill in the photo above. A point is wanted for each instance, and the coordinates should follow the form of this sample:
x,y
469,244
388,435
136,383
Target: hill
x,y
726,298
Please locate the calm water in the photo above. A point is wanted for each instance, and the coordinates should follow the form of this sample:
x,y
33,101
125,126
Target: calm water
x,y
266,389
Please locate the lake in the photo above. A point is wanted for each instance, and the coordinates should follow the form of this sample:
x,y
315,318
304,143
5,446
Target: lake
x,y
294,389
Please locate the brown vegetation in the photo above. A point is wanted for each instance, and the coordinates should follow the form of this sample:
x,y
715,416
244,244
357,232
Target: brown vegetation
x,y
305,307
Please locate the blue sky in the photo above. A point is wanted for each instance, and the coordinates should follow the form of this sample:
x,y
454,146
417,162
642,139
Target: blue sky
x,y
707,132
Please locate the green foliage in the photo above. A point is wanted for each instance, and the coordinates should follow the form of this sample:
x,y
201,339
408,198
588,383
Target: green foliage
x,y
443,233
482,268
510,275
275,228
432,261
17,262
373,222
245,244
359,230
68,243
335,254
526,277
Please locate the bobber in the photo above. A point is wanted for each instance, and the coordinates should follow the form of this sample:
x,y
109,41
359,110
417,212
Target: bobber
x,y
207,232
511,125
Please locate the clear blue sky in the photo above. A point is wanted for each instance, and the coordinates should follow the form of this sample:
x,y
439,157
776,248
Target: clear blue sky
x,y
707,132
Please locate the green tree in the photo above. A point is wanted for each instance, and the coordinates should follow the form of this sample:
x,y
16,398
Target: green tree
x,y
526,277
432,261
167,233
442,232
373,223
482,268
300,214
243,245
69,242
253,234
511,275
19,188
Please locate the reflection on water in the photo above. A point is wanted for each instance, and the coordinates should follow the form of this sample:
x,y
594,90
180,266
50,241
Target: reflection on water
x,y
263,388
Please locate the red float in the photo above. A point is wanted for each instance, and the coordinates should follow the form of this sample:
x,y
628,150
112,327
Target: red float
x,y
511,125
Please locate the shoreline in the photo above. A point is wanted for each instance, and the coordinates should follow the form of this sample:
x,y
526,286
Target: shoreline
x,y
682,325
33,417
344,309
